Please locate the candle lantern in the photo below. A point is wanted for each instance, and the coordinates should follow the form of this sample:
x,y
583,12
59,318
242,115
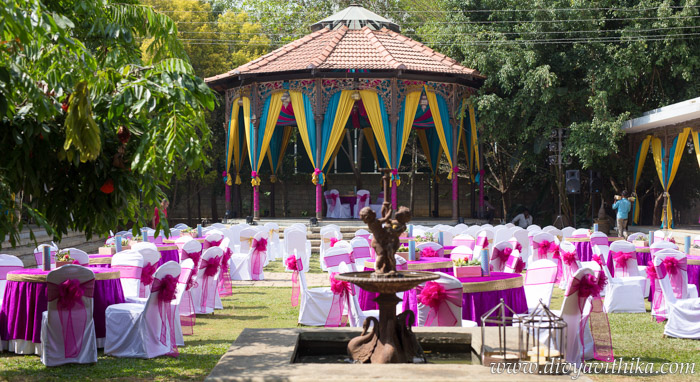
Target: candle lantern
x,y
544,336
505,321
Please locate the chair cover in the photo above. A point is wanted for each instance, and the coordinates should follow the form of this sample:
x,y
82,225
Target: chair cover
x,y
539,282
622,294
39,254
356,316
242,259
186,268
146,330
142,245
464,240
570,263
635,236
461,252
430,249
361,202
205,290
624,259
150,265
500,255
274,250
514,263
440,302
533,227
129,263
67,326
568,232
315,302
483,240
683,313
79,256
360,252
329,236
657,246
334,208
8,263
521,242
296,244
334,256
675,265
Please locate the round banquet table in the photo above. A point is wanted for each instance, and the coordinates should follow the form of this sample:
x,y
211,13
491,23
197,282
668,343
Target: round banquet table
x,y
99,261
168,252
172,239
693,275
643,256
433,264
480,294
25,300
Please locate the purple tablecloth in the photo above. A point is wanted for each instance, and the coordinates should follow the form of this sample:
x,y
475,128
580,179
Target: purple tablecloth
x,y
98,256
351,200
366,299
585,253
24,303
168,254
474,305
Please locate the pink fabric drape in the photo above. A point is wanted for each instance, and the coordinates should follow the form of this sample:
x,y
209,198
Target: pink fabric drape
x,y
342,290
296,266
167,290
225,282
71,311
590,286
259,252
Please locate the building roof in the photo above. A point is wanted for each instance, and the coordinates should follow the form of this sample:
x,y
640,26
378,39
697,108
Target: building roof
x,y
676,113
346,49
355,17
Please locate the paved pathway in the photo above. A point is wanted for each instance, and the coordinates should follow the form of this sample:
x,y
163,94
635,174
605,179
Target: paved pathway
x,y
282,280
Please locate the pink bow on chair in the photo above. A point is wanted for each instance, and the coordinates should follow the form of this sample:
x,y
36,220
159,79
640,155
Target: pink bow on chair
x,y
542,248
195,256
295,265
333,198
147,273
259,250
211,268
333,241
71,311
673,267
342,290
167,291
428,252
569,258
590,286
502,254
225,283
436,297
620,259
657,300
363,198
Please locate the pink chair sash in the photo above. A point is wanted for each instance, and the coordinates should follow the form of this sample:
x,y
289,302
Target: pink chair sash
x,y
167,291
436,297
8,268
658,305
196,257
589,286
334,261
542,248
361,253
147,273
502,254
71,311
128,271
211,268
466,242
187,315
673,267
333,240
225,282
259,253
621,258
538,276
332,199
342,290
515,263
482,241
362,201
599,240
570,264
296,266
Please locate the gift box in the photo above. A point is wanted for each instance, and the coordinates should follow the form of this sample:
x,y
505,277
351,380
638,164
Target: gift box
x,y
467,271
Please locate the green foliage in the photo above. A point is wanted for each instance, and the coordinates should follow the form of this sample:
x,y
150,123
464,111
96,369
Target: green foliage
x,y
90,129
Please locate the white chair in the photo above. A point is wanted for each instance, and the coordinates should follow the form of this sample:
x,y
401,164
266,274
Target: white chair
x,y
502,235
499,255
328,236
356,316
361,202
461,252
683,313
336,255
213,238
186,269
181,226
8,263
300,226
634,236
581,233
204,293
274,250
129,263
567,232
544,245
146,330
430,246
151,259
219,225
67,326
241,258
473,230
464,240
623,294
79,255
575,313
570,263
514,263
360,252
142,245
335,208
533,227
377,206
678,280
659,245
296,244
483,240
624,260
315,303
447,312
174,232
539,282
521,241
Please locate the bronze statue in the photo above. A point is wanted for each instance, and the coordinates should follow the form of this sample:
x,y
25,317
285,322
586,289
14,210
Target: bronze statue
x,y
386,241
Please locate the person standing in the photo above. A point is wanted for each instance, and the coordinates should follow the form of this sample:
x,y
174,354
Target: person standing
x,y
156,213
523,219
623,207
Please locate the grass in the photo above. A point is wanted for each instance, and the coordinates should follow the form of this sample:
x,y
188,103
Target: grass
x,y
278,266
249,307
634,335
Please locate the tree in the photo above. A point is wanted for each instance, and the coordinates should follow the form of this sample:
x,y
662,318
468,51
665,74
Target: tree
x,y
577,66
90,127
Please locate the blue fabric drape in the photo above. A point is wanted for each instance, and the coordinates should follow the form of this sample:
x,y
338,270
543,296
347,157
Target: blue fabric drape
x,y
447,127
261,132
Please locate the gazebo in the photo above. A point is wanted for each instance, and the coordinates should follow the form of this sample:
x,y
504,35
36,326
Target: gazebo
x,y
664,133
355,70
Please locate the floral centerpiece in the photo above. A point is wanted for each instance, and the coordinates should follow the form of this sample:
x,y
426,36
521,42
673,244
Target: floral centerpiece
x,y
641,241
63,258
403,252
426,237
189,232
111,248
466,268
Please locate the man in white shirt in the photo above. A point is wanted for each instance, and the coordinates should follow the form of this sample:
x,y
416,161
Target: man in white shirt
x,y
523,219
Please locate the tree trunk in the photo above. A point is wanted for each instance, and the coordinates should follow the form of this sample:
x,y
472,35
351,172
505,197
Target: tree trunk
x,y
412,178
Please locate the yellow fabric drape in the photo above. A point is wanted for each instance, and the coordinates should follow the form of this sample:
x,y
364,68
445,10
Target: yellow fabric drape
x,y
475,139
273,115
300,116
233,148
369,137
409,114
677,154
643,149
285,140
345,105
246,130
335,152
432,101
676,158
423,139
658,158
371,101
696,144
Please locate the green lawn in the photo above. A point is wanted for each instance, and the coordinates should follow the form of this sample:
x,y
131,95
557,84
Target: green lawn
x,y
634,335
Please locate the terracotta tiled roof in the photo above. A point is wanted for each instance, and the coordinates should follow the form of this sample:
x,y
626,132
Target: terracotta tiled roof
x,y
344,48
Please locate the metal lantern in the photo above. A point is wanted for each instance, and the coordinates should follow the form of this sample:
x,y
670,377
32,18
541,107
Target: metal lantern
x,y
423,102
505,320
240,102
545,337
355,96
285,98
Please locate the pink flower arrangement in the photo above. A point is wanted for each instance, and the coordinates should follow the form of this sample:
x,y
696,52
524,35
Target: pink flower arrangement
x,y
428,252
432,295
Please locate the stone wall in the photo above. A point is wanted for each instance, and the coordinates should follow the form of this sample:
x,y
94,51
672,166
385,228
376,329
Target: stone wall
x,y
301,195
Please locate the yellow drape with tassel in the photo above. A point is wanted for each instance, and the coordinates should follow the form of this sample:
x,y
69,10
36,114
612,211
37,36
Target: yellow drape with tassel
x,y
437,118
371,101
345,105
643,149
409,114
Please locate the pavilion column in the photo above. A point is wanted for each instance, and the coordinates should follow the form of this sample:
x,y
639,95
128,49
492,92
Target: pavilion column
x,y
227,189
481,180
664,209
455,156
318,116
393,120
254,174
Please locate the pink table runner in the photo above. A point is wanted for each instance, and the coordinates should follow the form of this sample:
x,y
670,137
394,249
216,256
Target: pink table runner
x,y
24,303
